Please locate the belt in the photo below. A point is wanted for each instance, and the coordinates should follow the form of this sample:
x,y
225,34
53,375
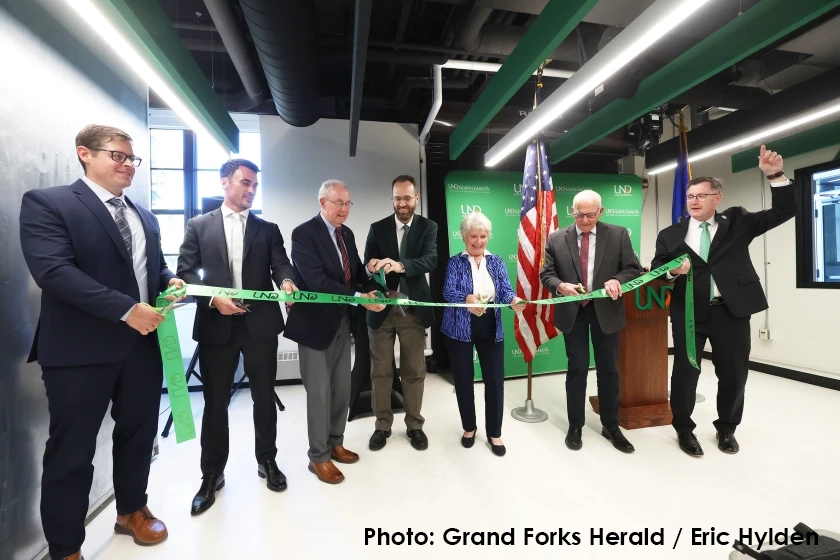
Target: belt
x,y
716,301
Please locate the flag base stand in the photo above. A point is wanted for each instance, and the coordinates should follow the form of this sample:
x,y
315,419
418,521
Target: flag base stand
x,y
528,413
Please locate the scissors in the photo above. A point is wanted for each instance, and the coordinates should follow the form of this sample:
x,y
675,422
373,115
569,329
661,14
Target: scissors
x,y
172,305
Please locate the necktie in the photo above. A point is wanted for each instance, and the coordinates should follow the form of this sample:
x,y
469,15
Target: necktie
x,y
345,261
237,239
122,223
584,262
705,245
403,245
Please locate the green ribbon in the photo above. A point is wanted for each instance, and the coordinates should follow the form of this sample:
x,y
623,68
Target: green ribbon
x,y
173,370
174,366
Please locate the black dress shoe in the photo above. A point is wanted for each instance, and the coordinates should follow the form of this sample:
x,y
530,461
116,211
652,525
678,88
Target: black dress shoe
x,y
274,477
206,496
618,440
378,439
689,444
498,450
573,439
727,443
419,441
468,441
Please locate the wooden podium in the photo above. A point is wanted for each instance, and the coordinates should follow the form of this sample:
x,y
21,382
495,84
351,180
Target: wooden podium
x,y
643,359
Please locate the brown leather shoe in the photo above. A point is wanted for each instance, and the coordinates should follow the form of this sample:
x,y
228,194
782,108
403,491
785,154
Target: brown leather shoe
x,y
76,556
146,529
342,455
326,471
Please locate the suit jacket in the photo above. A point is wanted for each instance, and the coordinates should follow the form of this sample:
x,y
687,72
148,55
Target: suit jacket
x,y
77,257
420,258
318,269
729,256
614,258
264,259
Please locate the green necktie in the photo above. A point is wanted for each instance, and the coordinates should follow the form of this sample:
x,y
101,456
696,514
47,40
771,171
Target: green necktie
x,y
403,245
705,245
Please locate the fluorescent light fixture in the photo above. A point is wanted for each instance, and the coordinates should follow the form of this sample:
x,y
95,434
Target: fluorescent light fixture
x,y
645,30
97,21
444,123
760,135
494,67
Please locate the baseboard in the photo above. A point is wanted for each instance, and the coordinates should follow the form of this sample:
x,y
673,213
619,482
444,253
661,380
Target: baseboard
x,y
245,384
792,374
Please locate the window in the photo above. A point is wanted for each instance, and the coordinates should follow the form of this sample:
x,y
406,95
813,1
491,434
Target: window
x,y
185,169
818,226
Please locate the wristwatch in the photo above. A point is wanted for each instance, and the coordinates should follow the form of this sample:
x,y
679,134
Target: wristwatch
x,y
775,175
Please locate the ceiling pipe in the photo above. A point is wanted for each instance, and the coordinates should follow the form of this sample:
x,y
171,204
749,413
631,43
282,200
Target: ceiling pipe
x,y
225,24
285,36
437,99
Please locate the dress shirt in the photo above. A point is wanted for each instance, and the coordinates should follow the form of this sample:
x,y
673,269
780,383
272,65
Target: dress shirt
x,y
331,229
482,281
235,260
590,269
138,238
692,239
401,234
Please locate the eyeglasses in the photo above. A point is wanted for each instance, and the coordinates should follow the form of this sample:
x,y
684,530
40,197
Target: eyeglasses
x,y
341,204
591,215
406,199
120,157
698,197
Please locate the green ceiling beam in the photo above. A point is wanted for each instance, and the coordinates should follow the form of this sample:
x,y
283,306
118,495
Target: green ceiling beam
x,y
556,21
823,136
148,29
763,24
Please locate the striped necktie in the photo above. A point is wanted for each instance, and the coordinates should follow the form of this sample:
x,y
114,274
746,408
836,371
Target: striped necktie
x,y
345,261
122,223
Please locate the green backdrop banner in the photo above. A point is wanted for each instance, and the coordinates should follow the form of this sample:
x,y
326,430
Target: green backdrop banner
x,y
498,195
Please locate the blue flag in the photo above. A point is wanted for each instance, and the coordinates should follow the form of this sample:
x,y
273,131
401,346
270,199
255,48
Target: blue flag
x,y
682,176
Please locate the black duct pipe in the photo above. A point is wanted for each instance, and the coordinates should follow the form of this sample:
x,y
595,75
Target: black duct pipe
x,y
285,33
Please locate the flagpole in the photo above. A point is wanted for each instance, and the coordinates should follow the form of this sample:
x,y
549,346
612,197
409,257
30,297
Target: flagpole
x,y
529,413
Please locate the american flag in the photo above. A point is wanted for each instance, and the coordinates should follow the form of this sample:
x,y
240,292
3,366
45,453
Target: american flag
x,y
536,221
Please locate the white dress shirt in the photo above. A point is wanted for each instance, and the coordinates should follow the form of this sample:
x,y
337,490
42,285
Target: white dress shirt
x,y
590,269
235,254
692,238
138,239
331,229
482,281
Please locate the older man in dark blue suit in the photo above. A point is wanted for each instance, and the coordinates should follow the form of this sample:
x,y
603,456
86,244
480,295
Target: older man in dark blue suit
x,y
97,258
326,259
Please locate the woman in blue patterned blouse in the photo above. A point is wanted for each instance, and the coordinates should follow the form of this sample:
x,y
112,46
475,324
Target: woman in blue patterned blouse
x,y
476,276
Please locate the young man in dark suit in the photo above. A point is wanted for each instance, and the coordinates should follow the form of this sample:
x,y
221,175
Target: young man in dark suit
x,y
326,260
97,258
594,255
727,291
404,245
236,249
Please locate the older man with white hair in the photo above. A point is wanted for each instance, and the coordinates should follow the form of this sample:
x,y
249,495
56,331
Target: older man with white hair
x,y
582,258
326,260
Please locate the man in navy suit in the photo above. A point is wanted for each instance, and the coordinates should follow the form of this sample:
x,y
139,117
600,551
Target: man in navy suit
x,y
326,259
97,258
